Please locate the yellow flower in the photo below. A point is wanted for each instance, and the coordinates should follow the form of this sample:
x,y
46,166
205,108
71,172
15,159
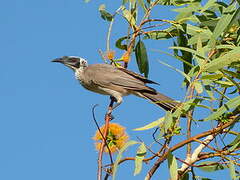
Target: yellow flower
x,y
126,57
110,55
116,137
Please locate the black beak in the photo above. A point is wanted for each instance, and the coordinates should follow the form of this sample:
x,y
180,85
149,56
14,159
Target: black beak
x,y
60,60
71,62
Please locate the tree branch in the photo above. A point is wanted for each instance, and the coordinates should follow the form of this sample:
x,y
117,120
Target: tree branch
x,y
104,143
212,132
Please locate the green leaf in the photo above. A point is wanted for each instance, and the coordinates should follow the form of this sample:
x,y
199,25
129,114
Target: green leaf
x,y
142,58
209,23
198,87
232,171
222,25
128,16
209,4
231,73
185,176
141,153
235,141
162,34
119,156
201,51
232,103
151,125
194,39
220,92
225,46
172,165
141,2
194,52
119,44
223,61
211,166
234,17
190,104
177,57
124,1
104,14
235,144
196,33
186,12
186,56
168,121
177,70
196,30
224,83
208,88
212,76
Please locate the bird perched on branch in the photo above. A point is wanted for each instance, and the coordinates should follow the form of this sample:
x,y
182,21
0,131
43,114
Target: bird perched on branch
x,y
115,81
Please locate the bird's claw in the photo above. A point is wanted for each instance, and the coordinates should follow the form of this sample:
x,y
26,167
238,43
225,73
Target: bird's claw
x,y
109,115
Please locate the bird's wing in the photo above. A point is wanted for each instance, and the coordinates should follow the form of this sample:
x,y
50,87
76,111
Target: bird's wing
x,y
136,75
108,76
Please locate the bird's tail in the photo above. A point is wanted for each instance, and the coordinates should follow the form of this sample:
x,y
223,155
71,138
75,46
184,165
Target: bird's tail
x,y
161,100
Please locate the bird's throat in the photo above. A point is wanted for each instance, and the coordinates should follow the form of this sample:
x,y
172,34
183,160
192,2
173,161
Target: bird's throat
x,y
79,73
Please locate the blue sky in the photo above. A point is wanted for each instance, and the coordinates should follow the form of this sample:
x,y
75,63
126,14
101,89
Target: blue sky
x,y
46,122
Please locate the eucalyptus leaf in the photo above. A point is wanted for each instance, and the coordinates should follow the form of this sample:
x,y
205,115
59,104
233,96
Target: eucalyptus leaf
x,y
168,121
222,25
232,103
234,144
232,171
141,153
151,125
186,56
211,166
172,165
129,16
163,34
142,58
225,83
177,70
223,61
194,52
212,76
104,14
190,104
209,4
198,87
142,4
119,43
119,156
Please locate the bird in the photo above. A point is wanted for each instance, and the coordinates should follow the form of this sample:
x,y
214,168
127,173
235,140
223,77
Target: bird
x,y
116,82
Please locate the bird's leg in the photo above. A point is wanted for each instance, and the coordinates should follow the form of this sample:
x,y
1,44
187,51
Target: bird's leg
x,y
111,107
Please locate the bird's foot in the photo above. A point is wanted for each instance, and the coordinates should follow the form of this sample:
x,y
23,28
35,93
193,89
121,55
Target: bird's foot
x,y
109,115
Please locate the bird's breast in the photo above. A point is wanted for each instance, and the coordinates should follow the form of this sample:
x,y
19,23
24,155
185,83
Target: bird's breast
x,y
89,84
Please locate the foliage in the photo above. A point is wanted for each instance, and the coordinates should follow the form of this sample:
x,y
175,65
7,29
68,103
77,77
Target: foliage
x,y
206,40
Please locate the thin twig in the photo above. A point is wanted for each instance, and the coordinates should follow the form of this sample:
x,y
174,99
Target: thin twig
x,y
154,138
104,143
99,130
108,34
181,144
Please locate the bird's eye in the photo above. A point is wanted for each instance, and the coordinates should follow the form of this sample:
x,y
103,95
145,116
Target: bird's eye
x,y
74,60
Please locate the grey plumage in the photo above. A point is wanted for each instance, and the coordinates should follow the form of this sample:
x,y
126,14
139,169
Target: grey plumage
x,y
114,81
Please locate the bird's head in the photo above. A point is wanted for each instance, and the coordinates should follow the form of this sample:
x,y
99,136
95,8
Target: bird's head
x,y
73,62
